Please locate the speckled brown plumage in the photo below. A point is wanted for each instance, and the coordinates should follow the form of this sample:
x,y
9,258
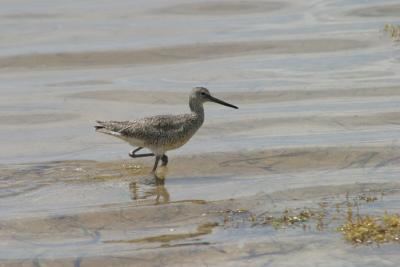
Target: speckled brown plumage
x,y
158,133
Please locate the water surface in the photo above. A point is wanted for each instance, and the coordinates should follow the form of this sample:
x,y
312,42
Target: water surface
x,y
317,84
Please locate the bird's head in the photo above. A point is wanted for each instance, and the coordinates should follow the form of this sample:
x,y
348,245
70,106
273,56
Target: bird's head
x,y
201,94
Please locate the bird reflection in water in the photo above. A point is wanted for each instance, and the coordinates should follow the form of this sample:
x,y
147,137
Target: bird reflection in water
x,y
150,186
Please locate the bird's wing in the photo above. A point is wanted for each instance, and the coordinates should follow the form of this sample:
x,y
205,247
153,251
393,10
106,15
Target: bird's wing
x,y
164,122
153,125
143,127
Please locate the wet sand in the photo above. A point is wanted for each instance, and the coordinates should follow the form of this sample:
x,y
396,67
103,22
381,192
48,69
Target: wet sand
x,y
182,53
160,97
36,118
377,11
222,8
317,130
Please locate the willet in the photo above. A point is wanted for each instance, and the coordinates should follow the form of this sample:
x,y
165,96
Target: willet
x,y
163,132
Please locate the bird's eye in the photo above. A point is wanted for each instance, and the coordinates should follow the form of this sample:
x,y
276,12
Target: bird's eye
x,y
202,93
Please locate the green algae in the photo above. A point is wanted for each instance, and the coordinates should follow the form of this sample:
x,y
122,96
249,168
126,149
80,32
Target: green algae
x,y
393,31
288,218
369,229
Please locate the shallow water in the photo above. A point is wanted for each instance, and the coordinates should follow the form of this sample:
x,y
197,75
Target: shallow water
x,y
318,87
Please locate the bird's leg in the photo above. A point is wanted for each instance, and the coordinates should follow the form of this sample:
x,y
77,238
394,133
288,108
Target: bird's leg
x,y
164,160
156,164
133,155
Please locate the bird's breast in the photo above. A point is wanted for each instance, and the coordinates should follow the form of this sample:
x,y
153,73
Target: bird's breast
x,y
180,138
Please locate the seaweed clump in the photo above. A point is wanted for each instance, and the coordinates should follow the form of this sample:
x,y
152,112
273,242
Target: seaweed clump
x,y
343,217
370,229
288,218
393,30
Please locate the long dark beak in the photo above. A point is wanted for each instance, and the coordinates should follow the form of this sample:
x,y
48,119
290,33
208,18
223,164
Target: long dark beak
x,y
216,100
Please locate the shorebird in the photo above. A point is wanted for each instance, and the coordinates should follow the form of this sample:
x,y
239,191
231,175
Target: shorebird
x,y
163,132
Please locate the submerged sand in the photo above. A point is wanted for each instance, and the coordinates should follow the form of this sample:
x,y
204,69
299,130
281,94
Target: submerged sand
x,y
377,11
181,53
147,221
222,8
270,96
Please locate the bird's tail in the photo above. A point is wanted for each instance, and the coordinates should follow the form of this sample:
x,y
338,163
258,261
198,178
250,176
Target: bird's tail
x,y
102,128
99,126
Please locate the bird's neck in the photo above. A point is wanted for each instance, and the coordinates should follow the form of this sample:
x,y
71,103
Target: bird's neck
x,y
197,109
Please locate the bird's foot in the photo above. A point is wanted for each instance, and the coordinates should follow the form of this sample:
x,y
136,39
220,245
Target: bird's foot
x,y
133,154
